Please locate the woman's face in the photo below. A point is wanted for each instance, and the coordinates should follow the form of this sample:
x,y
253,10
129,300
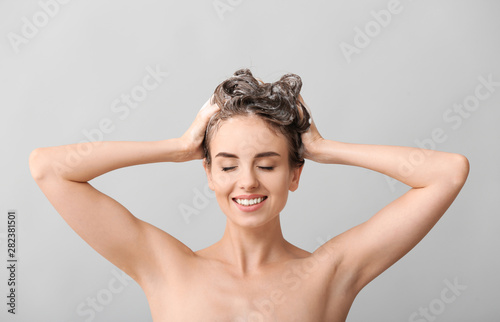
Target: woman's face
x,y
250,171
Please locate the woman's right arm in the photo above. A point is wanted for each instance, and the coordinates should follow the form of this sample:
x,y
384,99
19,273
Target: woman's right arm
x,y
134,246
83,162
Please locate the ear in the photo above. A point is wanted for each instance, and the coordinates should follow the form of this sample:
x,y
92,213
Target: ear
x,y
209,174
294,183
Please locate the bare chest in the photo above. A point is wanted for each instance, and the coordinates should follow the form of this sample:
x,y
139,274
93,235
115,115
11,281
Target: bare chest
x,y
282,294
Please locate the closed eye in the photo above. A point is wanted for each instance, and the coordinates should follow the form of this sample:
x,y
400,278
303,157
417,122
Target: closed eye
x,y
226,169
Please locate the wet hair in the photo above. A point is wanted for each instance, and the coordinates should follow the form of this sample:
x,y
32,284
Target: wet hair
x,y
276,103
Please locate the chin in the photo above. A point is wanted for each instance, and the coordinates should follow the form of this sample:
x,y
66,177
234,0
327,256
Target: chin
x,y
248,220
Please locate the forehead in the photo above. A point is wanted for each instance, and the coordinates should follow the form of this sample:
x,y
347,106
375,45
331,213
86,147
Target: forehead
x,y
247,135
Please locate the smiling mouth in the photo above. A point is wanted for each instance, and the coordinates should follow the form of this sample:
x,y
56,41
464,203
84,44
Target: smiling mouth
x,y
249,202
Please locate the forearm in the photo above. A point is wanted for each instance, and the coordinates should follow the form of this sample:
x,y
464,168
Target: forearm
x,y
412,166
84,161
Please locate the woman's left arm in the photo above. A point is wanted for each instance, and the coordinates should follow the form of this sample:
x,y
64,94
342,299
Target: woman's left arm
x,y
435,178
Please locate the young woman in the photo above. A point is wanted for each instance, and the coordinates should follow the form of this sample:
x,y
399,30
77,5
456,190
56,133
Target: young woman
x,y
253,138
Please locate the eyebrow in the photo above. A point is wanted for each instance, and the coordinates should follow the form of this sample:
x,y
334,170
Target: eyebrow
x,y
258,155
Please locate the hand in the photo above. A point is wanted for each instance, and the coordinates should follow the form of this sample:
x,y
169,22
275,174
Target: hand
x,y
311,139
193,138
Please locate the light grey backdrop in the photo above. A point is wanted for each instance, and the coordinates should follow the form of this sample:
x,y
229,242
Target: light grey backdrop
x,y
415,73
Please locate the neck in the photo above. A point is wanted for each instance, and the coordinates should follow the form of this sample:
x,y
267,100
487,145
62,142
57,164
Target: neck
x,y
248,249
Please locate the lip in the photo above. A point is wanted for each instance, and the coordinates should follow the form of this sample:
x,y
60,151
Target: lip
x,y
252,196
250,208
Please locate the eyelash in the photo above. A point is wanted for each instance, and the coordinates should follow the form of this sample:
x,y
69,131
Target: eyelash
x,y
225,169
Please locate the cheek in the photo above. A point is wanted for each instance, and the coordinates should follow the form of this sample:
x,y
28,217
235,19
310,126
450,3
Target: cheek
x,y
278,183
222,180
222,191
222,185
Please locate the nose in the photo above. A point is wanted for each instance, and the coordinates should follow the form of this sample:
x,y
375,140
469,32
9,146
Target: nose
x,y
248,179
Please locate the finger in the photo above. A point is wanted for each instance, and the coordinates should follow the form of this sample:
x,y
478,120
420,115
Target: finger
x,y
206,114
301,99
207,103
209,106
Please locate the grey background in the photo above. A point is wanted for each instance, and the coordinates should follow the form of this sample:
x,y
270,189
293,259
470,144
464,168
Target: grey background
x,y
396,90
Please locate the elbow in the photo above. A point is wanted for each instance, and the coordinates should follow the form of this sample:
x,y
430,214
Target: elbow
x,y
459,167
37,164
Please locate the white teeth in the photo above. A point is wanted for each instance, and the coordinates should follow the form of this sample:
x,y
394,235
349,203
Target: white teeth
x,y
249,202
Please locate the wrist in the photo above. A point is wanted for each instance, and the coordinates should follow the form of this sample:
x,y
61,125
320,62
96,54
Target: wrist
x,y
185,151
322,151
